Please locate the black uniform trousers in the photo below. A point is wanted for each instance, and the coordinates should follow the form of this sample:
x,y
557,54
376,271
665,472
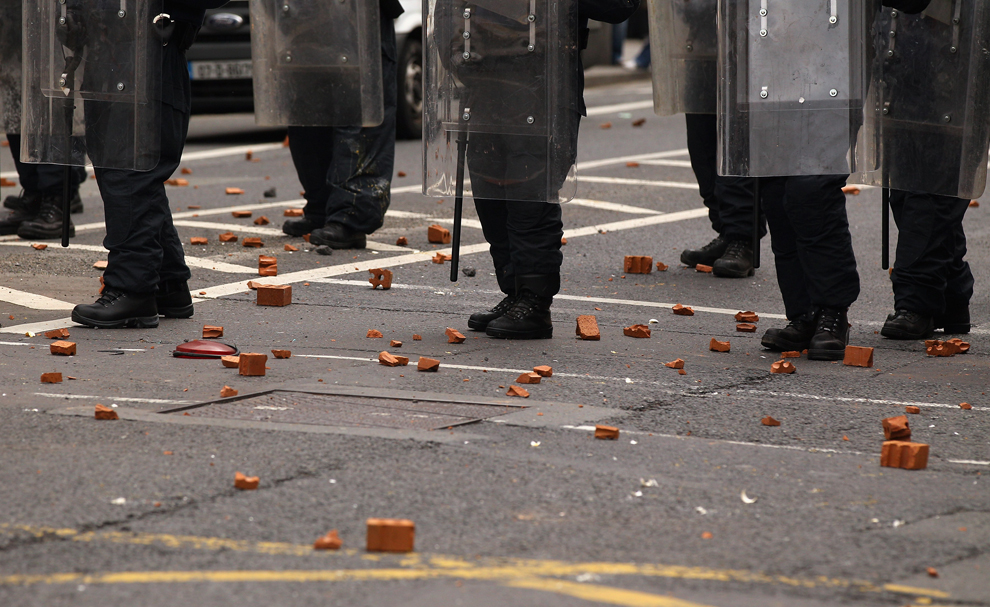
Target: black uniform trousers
x,y
144,247
45,179
930,273
809,236
346,172
730,212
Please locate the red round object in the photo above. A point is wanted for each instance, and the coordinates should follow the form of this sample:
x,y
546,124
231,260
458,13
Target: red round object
x,y
203,348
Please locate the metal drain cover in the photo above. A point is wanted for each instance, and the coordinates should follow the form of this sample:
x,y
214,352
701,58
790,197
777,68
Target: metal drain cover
x,y
292,407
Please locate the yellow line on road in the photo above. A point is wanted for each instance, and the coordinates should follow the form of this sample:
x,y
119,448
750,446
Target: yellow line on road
x,y
602,594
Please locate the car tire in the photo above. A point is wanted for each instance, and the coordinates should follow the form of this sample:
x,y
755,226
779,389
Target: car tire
x,y
409,110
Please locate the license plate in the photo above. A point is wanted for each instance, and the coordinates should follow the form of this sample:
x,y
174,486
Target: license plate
x,y
220,70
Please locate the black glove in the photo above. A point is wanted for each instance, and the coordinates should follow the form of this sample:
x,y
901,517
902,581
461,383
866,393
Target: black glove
x,y
908,6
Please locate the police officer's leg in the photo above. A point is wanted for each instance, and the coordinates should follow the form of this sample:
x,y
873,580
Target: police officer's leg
x,y
360,177
24,207
735,203
959,285
494,218
312,156
816,208
702,141
38,211
790,273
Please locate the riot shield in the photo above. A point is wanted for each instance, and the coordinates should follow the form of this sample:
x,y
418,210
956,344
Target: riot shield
x,y
92,83
793,81
684,56
10,66
502,91
932,76
317,62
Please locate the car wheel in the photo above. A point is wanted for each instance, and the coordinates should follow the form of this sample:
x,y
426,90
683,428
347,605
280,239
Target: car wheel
x,y
409,111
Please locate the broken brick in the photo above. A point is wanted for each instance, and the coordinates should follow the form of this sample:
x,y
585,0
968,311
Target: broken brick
x,y
63,348
962,345
51,378
703,268
718,346
681,372
262,221
186,171
292,213
266,260
639,122
306,237
7,183
932,572
543,370
791,354
747,317
395,343
675,364
769,421
177,182
606,432
227,392
252,241
680,310
639,331
392,360
858,356
252,364
39,246
965,406
57,333
228,237
374,334
851,190
661,267
289,247
390,535
974,203
587,328
234,192
417,337
913,410
268,271
245,483
529,378
637,264
745,327
330,541
454,336
401,241
282,353
517,391
896,428
241,214
211,331
942,348
105,413
253,285
230,362
632,164
563,241
440,258
199,240
100,265
428,364
438,234
274,295
380,278
605,125
783,366
904,454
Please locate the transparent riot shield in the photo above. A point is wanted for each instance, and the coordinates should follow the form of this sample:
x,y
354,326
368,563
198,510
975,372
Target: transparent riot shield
x,y
10,66
933,112
684,56
317,62
793,81
92,83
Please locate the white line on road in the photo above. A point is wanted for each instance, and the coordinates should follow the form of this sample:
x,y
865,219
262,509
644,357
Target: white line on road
x,y
114,399
30,300
594,164
682,185
230,227
684,164
845,399
39,327
612,206
639,222
235,150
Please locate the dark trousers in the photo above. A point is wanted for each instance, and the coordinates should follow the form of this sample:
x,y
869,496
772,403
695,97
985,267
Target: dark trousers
x,y
144,246
346,172
524,237
729,208
45,179
812,247
930,272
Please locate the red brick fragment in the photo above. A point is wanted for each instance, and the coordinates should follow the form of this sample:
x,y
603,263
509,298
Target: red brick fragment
x,y
199,240
639,331
105,413
374,334
268,271
517,391
606,432
632,164
896,428
587,328
252,364
529,378
675,364
262,221
177,181
401,241
235,192
241,214
436,234
851,190
380,278
543,371
639,122
292,213
791,354
245,483
274,295
57,334
962,345
282,353
212,332
965,406
417,337
289,247
227,392
718,346
252,241
932,572
454,336
39,246
228,237
330,541
974,203
440,258
904,454
913,410
637,264
783,366
563,241
858,356
745,327
769,421
390,535
703,268
662,267
267,260
186,171
392,360
428,364
231,362
681,372
51,378
680,310
747,316
63,348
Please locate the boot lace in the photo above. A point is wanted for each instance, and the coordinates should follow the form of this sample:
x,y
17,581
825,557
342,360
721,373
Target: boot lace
x,y
109,296
737,249
829,320
524,304
504,305
713,245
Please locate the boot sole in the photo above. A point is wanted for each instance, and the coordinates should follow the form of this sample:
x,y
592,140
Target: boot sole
x,y
783,346
74,209
139,322
503,334
723,273
44,235
826,354
475,325
891,333
185,312
338,244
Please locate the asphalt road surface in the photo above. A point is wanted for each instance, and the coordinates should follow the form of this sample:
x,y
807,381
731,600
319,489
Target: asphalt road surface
x,y
696,503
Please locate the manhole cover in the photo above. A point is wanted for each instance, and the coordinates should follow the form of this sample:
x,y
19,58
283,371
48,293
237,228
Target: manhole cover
x,y
289,407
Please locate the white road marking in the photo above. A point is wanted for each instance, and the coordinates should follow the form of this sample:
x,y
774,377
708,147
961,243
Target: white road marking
x,y
218,266
53,247
619,107
39,327
594,164
381,246
235,150
684,164
465,223
30,300
230,227
16,343
653,304
613,206
683,185
843,399
114,399
639,222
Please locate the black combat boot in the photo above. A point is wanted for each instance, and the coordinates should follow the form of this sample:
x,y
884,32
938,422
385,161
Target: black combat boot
x,y
16,203
905,324
300,227
173,299
338,236
479,320
118,310
28,209
831,335
707,254
955,319
795,337
48,223
529,315
737,262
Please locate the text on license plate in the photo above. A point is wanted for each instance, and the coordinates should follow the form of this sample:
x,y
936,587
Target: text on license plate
x,y
220,70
